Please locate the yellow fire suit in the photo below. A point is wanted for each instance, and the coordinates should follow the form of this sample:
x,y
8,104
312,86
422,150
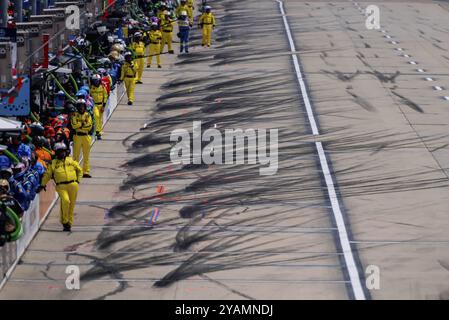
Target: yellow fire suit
x,y
129,75
155,37
100,96
67,174
185,8
167,25
139,50
161,15
190,4
207,22
82,124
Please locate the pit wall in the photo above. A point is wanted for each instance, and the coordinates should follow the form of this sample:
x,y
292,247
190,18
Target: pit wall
x,y
40,208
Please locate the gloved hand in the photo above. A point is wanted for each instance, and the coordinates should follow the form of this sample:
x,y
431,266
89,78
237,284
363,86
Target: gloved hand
x,y
40,188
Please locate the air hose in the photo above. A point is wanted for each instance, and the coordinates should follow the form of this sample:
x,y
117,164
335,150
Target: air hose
x,y
19,230
62,88
85,60
11,156
75,85
45,149
33,117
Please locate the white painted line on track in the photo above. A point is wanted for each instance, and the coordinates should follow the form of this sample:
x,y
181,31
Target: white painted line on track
x,y
446,98
438,88
413,62
429,79
420,70
335,203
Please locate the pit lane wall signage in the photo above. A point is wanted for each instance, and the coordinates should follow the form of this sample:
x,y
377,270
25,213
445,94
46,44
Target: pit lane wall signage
x,y
15,102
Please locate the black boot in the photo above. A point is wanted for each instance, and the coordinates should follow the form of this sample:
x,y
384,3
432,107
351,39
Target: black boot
x,y
98,136
67,227
171,51
130,103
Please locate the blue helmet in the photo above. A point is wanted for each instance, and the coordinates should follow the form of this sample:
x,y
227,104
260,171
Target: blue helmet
x,y
82,93
85,88
5,163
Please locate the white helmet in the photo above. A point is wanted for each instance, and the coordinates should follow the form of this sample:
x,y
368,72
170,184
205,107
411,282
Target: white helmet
x,y
59,146
183,13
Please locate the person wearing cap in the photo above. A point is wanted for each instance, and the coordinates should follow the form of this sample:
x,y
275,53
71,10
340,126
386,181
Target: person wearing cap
x,y
116,66
155,37
62,135
43,156
8,200
207,23
138,47
184,31
16,188
38,168
183,7
31,183
106,79
83,94
18,148
161,11
21,187
100,96
167,25
66,173
128,75
58,102
82,124
5,162
7,224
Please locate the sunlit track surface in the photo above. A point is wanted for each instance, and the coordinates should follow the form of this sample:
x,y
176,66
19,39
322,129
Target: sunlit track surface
x,y
231,208
226,232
